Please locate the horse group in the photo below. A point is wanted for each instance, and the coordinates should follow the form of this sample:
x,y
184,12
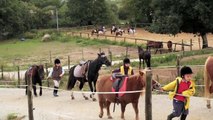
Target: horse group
x,y
90,73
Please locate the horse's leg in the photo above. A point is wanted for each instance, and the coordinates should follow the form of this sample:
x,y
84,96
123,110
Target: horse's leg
x,y
101,104
139,63
40,84
108,109
91,89
73,85
143,64
34,89
80,88
135,106
26,85
123,106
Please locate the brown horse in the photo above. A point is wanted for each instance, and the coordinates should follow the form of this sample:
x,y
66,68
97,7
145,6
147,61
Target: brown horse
x,y
37,74
134,83
169,45
145,55
156,45
208,79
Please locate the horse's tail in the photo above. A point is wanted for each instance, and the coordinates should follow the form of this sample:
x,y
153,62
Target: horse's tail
x,y
71,80
206,80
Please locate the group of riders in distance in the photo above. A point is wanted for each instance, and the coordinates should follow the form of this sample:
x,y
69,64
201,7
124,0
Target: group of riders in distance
x,y
117,30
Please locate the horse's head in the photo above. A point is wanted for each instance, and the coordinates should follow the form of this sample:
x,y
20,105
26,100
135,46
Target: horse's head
x,y
156,85
40,69
104,60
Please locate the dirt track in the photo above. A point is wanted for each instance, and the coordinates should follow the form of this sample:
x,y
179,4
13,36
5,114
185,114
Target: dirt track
x,y
62,108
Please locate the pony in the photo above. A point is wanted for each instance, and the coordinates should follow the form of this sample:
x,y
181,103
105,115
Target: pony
x,y
99,31
208,79
113,29
145,55
131,30
37,74
121,32
134,83
169,45
154,44
90,76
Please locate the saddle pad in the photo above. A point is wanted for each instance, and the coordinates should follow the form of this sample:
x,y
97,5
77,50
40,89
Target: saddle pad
x,y
122,85
78,71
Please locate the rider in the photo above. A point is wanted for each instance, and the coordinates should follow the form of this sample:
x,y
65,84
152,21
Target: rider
x,y
56,73
125,69
183,87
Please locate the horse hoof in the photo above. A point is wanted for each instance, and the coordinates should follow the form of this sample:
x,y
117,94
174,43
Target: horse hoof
x,y
36,95
109,117
86,98
40,94
93,99
208,106
72,98
100,115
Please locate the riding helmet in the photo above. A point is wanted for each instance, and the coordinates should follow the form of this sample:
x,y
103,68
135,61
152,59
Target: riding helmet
x,y
57,61
185,70
126,61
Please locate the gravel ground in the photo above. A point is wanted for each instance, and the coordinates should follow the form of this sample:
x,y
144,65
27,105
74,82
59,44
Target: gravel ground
x,y
48,107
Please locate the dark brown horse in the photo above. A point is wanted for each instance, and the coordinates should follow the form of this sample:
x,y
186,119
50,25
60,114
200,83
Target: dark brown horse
x,y
145,55
37,74
208,79
156,45
134,83
121,32
169,45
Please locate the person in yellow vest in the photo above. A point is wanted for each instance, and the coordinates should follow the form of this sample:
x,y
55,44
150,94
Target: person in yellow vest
x,y
125,69
182,88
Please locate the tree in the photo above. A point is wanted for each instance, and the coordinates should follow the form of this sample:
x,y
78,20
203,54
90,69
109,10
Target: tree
x,y
83,12
175,16
137,10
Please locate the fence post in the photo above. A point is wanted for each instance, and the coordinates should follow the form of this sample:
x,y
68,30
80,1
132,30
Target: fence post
x,y
110,54
148,95
88,35
124,39
29,97
2,71
18,76
199,43
182,45
178,65
80,34
135,41
48,83
82,53
190,44
68,63
99,50
127,48
50,57
115,38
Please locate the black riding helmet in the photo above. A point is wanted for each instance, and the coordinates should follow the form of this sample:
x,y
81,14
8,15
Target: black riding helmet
x,y
185,70
57,61
126,61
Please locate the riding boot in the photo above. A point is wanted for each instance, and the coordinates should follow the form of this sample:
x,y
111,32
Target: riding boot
x,y
183,117
55,91
170,116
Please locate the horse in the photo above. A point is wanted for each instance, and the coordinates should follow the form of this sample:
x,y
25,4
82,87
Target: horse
x,y
113,29
90,76
119,32
37,74
169,45
155,44
99,31
131,30
208,79
145,55
134,83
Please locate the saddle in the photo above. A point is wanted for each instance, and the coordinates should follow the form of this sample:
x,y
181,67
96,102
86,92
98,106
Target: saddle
x,y
81,69
119,84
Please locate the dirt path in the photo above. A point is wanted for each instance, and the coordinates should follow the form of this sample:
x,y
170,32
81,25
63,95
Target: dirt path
x,y
62,108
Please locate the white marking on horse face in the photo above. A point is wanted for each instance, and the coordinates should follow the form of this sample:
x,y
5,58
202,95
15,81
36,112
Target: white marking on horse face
x,y
103,55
